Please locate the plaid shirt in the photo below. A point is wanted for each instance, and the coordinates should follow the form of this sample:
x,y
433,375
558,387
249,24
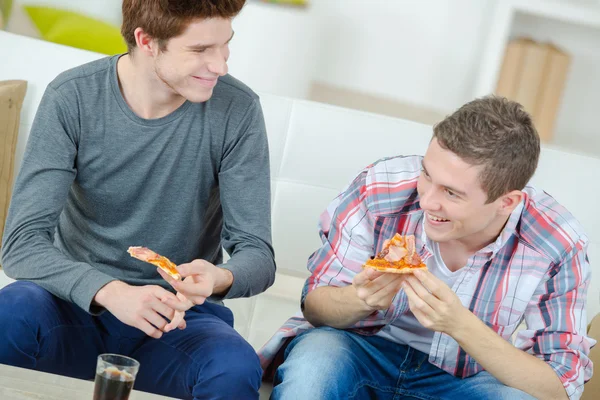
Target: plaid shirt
x,y
537,270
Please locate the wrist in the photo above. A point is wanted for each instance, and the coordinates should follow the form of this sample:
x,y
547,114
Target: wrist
x,y
223,281
361,306
108,292
464,326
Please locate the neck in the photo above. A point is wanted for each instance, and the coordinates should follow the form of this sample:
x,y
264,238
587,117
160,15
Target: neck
x,y
478,241
144,92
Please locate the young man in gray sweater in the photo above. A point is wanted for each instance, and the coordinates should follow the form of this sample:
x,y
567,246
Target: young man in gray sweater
x,y
161,148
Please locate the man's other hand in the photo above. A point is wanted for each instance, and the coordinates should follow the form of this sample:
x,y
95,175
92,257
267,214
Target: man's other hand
x,y
143,307
376,289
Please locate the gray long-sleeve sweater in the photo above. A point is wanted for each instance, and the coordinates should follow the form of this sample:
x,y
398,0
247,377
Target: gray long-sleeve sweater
x,y
96,179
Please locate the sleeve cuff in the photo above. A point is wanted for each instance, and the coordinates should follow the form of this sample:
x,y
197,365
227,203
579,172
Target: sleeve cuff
x,y
85,289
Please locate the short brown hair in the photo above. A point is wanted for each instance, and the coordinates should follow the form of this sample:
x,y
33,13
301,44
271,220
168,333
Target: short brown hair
x,y
499,135
165,19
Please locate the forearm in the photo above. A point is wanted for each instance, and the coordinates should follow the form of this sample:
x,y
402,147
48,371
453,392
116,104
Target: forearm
x,y
509,365
252,272
338,307
34,258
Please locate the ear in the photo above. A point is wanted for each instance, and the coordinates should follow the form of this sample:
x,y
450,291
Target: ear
x,y
509,201
145,43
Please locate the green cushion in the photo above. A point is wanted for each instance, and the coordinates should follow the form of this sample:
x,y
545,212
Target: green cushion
x,y
76,30
5,7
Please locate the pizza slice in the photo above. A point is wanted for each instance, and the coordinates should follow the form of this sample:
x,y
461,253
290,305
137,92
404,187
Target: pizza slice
x,y
398,256
162,262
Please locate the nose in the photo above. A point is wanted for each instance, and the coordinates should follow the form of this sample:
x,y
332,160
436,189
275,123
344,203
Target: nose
x,y
428,200
218,65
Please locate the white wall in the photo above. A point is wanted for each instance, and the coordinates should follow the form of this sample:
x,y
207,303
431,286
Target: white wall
x,y
424,52
275,48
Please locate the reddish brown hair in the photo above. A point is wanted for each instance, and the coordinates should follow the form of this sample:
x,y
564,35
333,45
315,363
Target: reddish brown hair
x,y
165,19
497,134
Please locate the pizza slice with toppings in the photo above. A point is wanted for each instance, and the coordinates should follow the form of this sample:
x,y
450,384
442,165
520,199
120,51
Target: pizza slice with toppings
x,y
398,256
149,256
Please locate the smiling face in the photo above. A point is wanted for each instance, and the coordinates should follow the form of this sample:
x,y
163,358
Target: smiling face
x,y
191,63
454,202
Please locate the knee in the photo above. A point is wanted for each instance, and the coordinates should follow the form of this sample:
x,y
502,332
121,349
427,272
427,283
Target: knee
x,y
22,301
329,348
233,363
318,363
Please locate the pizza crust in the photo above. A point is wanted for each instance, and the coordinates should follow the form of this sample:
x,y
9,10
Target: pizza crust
x,y
405,270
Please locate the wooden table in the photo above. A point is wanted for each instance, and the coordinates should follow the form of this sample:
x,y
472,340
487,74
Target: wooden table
x,y
25,384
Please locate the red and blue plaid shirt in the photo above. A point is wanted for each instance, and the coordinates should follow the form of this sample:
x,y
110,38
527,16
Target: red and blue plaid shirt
x,y
537,271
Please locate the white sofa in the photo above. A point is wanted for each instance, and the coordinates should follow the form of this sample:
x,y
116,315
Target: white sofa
x,y
315,150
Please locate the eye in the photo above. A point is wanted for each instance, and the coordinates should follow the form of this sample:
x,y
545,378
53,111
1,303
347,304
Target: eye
x,y
424,172
199,50
451,194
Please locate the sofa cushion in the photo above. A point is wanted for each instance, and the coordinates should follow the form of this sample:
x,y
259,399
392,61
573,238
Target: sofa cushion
x,y
76,30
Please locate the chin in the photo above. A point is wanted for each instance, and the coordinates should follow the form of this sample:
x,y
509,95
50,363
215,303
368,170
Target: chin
x,y
199,97
437,236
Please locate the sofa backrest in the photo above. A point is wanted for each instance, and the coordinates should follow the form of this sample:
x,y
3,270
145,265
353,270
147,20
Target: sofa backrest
x,y
316,149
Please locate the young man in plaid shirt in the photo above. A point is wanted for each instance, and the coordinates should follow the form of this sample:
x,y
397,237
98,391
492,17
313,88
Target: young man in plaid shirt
x,y
498,252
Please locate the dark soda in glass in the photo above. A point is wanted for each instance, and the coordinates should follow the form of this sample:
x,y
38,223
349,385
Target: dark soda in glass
x,y
115,375
112,384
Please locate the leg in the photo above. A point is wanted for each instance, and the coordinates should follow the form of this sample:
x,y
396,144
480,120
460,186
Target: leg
x,y
426,381
206,360
42,332
327,363
485,387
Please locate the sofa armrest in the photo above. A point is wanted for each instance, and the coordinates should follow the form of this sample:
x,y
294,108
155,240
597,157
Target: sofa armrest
x,y
12,94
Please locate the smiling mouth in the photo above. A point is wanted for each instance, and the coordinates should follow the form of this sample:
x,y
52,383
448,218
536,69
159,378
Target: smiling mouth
x,y
436,219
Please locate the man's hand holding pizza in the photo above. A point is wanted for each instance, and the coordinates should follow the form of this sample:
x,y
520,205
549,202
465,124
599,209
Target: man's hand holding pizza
x,y
377,289
201,280
434,304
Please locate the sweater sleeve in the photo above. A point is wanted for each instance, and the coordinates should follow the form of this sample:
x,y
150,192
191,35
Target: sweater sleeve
x,y
245,190
39,195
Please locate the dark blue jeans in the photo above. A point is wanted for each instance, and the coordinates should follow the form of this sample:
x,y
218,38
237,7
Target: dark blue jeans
x,y
207,360
327,363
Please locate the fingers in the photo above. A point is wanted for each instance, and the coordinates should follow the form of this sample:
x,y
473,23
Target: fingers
x,y
196,267
366,276
374,286
195,291
423,319
163,309
434,284
383,298
423,293
155,319
148,329
194,287
362,277
415,302
175,321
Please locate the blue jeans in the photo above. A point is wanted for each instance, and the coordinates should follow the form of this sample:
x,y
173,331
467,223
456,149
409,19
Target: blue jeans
x,y
327,363
207,360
